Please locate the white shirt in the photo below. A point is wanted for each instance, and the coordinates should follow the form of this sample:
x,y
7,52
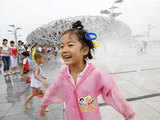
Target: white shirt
x,y
34,82
79,76
25,60
5,51
21,49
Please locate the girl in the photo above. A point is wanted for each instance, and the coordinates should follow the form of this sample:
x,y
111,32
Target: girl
x,y
5,56
14,54
25,67
79,83
37,79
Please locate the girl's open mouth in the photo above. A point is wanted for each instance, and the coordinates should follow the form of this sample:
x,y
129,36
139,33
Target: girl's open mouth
x,y
66,57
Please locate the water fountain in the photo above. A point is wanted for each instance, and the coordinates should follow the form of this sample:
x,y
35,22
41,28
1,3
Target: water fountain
x,y
117,51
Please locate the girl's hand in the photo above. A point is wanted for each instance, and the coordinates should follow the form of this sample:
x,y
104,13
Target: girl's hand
x,y
45,84
129,118
21,73
44,78
42,112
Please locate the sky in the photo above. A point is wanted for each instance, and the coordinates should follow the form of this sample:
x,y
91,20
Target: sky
x,y
30,14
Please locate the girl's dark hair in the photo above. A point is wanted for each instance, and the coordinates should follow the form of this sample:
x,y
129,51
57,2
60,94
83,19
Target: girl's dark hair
x,y
25,53
4,40
81,99
12,42
77,29
19,41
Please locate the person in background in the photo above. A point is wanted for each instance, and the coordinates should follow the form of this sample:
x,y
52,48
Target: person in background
x,y
23,45
5,57
14,55
44,50
29,50
0,60
1,50
37,79
21,49
34,48
25,67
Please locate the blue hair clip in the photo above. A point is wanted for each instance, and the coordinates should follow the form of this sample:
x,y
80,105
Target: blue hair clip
x,y
91,36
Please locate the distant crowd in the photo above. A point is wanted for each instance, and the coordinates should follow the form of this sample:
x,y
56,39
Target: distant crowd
x,y
20,58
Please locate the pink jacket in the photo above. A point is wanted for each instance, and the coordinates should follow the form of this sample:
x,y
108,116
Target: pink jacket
x,y
81,99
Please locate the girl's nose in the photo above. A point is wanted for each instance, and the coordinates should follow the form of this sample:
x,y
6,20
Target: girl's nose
x,y
64,50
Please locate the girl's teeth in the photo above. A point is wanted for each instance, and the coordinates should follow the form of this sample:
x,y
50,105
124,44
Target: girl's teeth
x,y
66,56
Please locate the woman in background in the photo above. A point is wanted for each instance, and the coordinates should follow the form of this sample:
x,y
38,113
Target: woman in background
x,y
5,53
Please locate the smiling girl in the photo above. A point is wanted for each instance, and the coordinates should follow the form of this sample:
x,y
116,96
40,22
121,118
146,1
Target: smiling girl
x,y
79,83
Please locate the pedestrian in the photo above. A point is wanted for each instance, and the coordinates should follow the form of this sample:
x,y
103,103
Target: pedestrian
x,y
25,67
29,47
5,53
79,83
34,49
21,49
0,59
14,55
29,50
37,79
1,50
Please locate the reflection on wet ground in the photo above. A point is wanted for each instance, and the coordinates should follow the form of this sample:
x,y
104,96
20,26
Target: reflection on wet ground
x,y
13,92
141,88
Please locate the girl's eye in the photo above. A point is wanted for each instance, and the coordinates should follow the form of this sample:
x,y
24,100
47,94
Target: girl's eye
x,y
70,45
61,46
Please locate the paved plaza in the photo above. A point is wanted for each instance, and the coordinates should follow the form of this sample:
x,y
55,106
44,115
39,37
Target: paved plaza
x,y
141,89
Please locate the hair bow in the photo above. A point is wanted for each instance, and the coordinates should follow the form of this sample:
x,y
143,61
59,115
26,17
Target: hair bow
x,y
92,37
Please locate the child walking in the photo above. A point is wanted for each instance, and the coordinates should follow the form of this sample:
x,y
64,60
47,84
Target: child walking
x,y
37,79
79,83
14,55
25,67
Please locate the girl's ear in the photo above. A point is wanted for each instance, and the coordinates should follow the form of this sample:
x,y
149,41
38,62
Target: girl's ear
x,y
85,50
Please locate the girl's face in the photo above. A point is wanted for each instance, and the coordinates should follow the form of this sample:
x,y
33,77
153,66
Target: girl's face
x,y
19,43
5,42
12,44
71,49
23,57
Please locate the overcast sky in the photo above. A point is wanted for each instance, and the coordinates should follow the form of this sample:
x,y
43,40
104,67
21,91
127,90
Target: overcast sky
x,y
30,14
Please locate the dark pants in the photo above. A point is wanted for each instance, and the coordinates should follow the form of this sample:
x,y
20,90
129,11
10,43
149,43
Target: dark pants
x,y
6,62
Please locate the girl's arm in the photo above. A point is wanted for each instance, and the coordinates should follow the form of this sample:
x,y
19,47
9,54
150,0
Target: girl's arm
x,y
22,71
44,77
113,97
54,94
41,79
9,51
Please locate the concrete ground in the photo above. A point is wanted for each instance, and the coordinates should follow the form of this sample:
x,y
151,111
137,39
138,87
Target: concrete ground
x,y
142,90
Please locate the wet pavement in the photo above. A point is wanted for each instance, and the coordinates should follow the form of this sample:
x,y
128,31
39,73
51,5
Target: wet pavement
x,y
13,92
142,89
